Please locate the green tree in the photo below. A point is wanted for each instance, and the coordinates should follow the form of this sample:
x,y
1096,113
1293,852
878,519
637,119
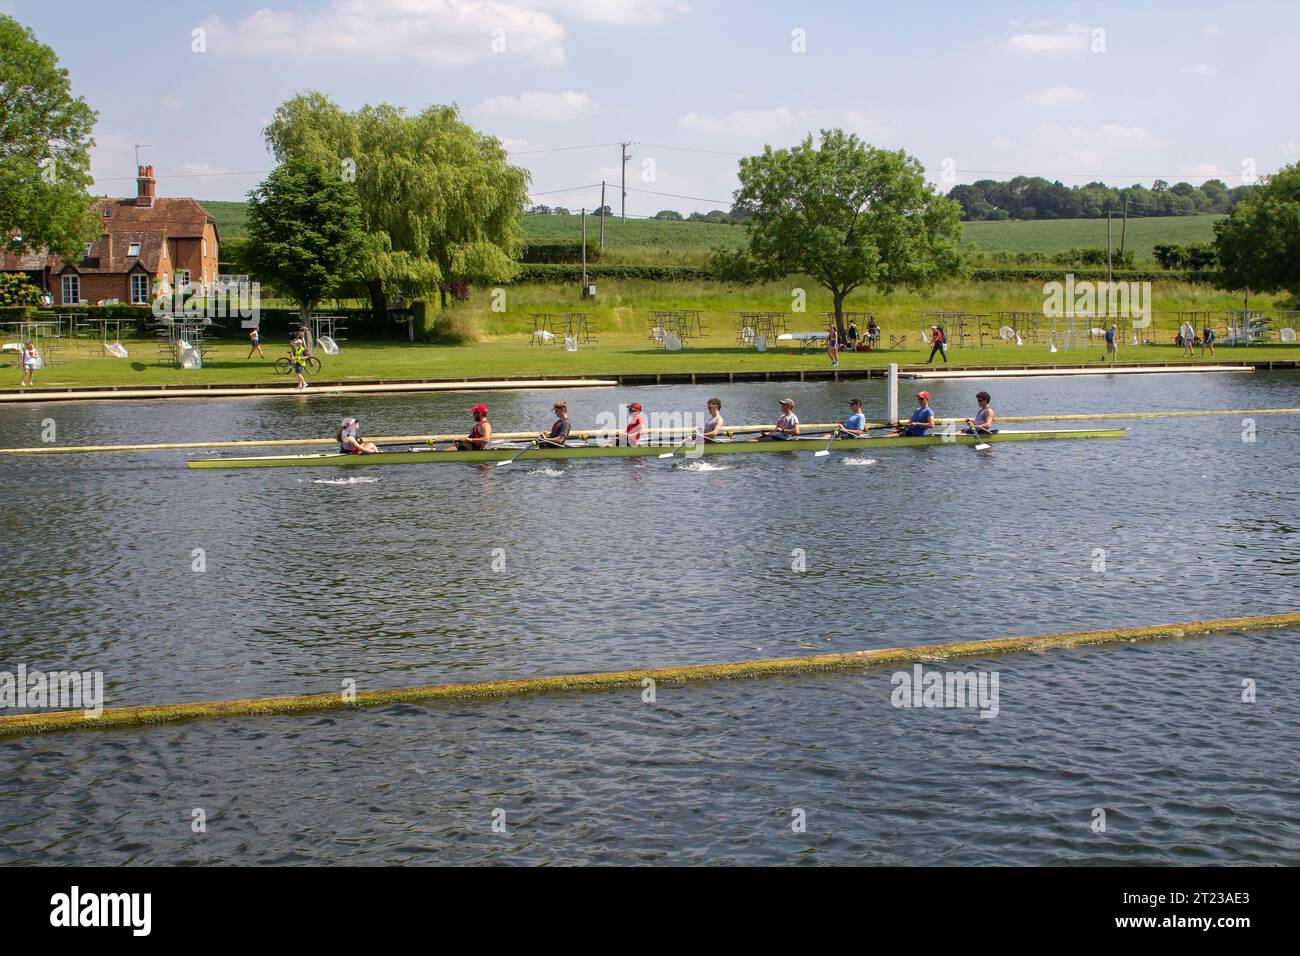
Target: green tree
x,y
304,232
1258,244
17,290
848,215
440,203
45,140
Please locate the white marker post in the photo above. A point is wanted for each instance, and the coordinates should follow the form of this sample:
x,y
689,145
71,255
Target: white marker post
x,y
893,393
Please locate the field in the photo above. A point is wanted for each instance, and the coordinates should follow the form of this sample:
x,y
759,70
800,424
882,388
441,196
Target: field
x,y
1059,235
665,242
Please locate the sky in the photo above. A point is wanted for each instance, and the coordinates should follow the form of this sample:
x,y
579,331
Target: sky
x,y
1117,92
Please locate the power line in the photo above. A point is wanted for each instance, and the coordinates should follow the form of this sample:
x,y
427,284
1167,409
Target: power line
x,y
651,192
571,189
556,149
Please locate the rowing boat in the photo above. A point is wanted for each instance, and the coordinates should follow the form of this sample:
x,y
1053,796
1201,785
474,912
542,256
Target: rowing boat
x,y
421,454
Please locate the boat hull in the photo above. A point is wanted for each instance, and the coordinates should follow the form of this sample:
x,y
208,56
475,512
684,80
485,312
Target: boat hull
x,y
421,456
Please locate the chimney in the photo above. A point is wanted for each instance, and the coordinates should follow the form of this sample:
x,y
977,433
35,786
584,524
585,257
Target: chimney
x,y
145,187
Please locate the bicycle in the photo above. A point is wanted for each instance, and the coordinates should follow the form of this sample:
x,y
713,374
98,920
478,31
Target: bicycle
x,y
284,365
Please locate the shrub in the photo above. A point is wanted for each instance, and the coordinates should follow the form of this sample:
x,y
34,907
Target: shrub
x,y
17,290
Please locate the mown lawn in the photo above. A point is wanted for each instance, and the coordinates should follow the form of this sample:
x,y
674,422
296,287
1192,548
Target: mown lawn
x,y
615,353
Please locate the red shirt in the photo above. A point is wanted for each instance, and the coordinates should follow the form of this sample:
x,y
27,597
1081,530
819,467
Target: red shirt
x,y
634,428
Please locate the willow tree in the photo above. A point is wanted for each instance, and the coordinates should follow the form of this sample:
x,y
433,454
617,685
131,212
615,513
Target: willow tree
x,y
848,215
440,203
45,140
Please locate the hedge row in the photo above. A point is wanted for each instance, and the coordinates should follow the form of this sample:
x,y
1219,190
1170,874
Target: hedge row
x,y
556,250
573,274
570,273
1092,275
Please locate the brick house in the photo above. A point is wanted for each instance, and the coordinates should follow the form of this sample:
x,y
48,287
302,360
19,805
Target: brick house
x,y
147,247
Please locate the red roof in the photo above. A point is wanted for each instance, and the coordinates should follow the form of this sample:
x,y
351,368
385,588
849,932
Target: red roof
x,y
126,223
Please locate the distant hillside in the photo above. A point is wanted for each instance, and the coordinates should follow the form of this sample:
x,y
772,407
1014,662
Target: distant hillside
x,y
230,217
663,241
1061,235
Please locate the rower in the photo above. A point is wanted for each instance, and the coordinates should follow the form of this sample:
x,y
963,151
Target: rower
x,y
635,424
559,433
786,427
922,419
982,423
479,435
350,442
855,426
712,431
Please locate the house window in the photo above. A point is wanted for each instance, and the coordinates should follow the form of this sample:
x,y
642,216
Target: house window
x,y
139,288
71,290
88,245
108,213
133,249
205,247
182,278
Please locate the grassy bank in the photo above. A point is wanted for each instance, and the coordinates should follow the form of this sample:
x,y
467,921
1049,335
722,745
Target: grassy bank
x,y
498,343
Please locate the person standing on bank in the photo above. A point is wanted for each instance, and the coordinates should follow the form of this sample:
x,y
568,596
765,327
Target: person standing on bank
x,y
938,343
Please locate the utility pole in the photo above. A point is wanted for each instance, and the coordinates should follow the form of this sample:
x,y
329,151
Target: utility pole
x,y
602,215
1108,245
584,252
626,157
1123,232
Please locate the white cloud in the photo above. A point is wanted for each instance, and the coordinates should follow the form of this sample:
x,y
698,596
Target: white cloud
x,y
544,106
1001,142
171,102
1055,96
751,123
195,169
1203,69
1210,28
1072,39
616,11
423,32
1110,136
1290,148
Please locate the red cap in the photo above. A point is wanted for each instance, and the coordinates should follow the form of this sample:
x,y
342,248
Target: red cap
x,y
478,410
635,407
925,395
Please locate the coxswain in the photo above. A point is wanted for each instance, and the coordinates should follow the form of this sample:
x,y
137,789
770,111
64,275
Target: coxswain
x,y
350,443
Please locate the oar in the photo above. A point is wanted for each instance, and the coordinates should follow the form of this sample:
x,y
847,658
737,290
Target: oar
x,y
827,450
528,447
979,445
673,450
